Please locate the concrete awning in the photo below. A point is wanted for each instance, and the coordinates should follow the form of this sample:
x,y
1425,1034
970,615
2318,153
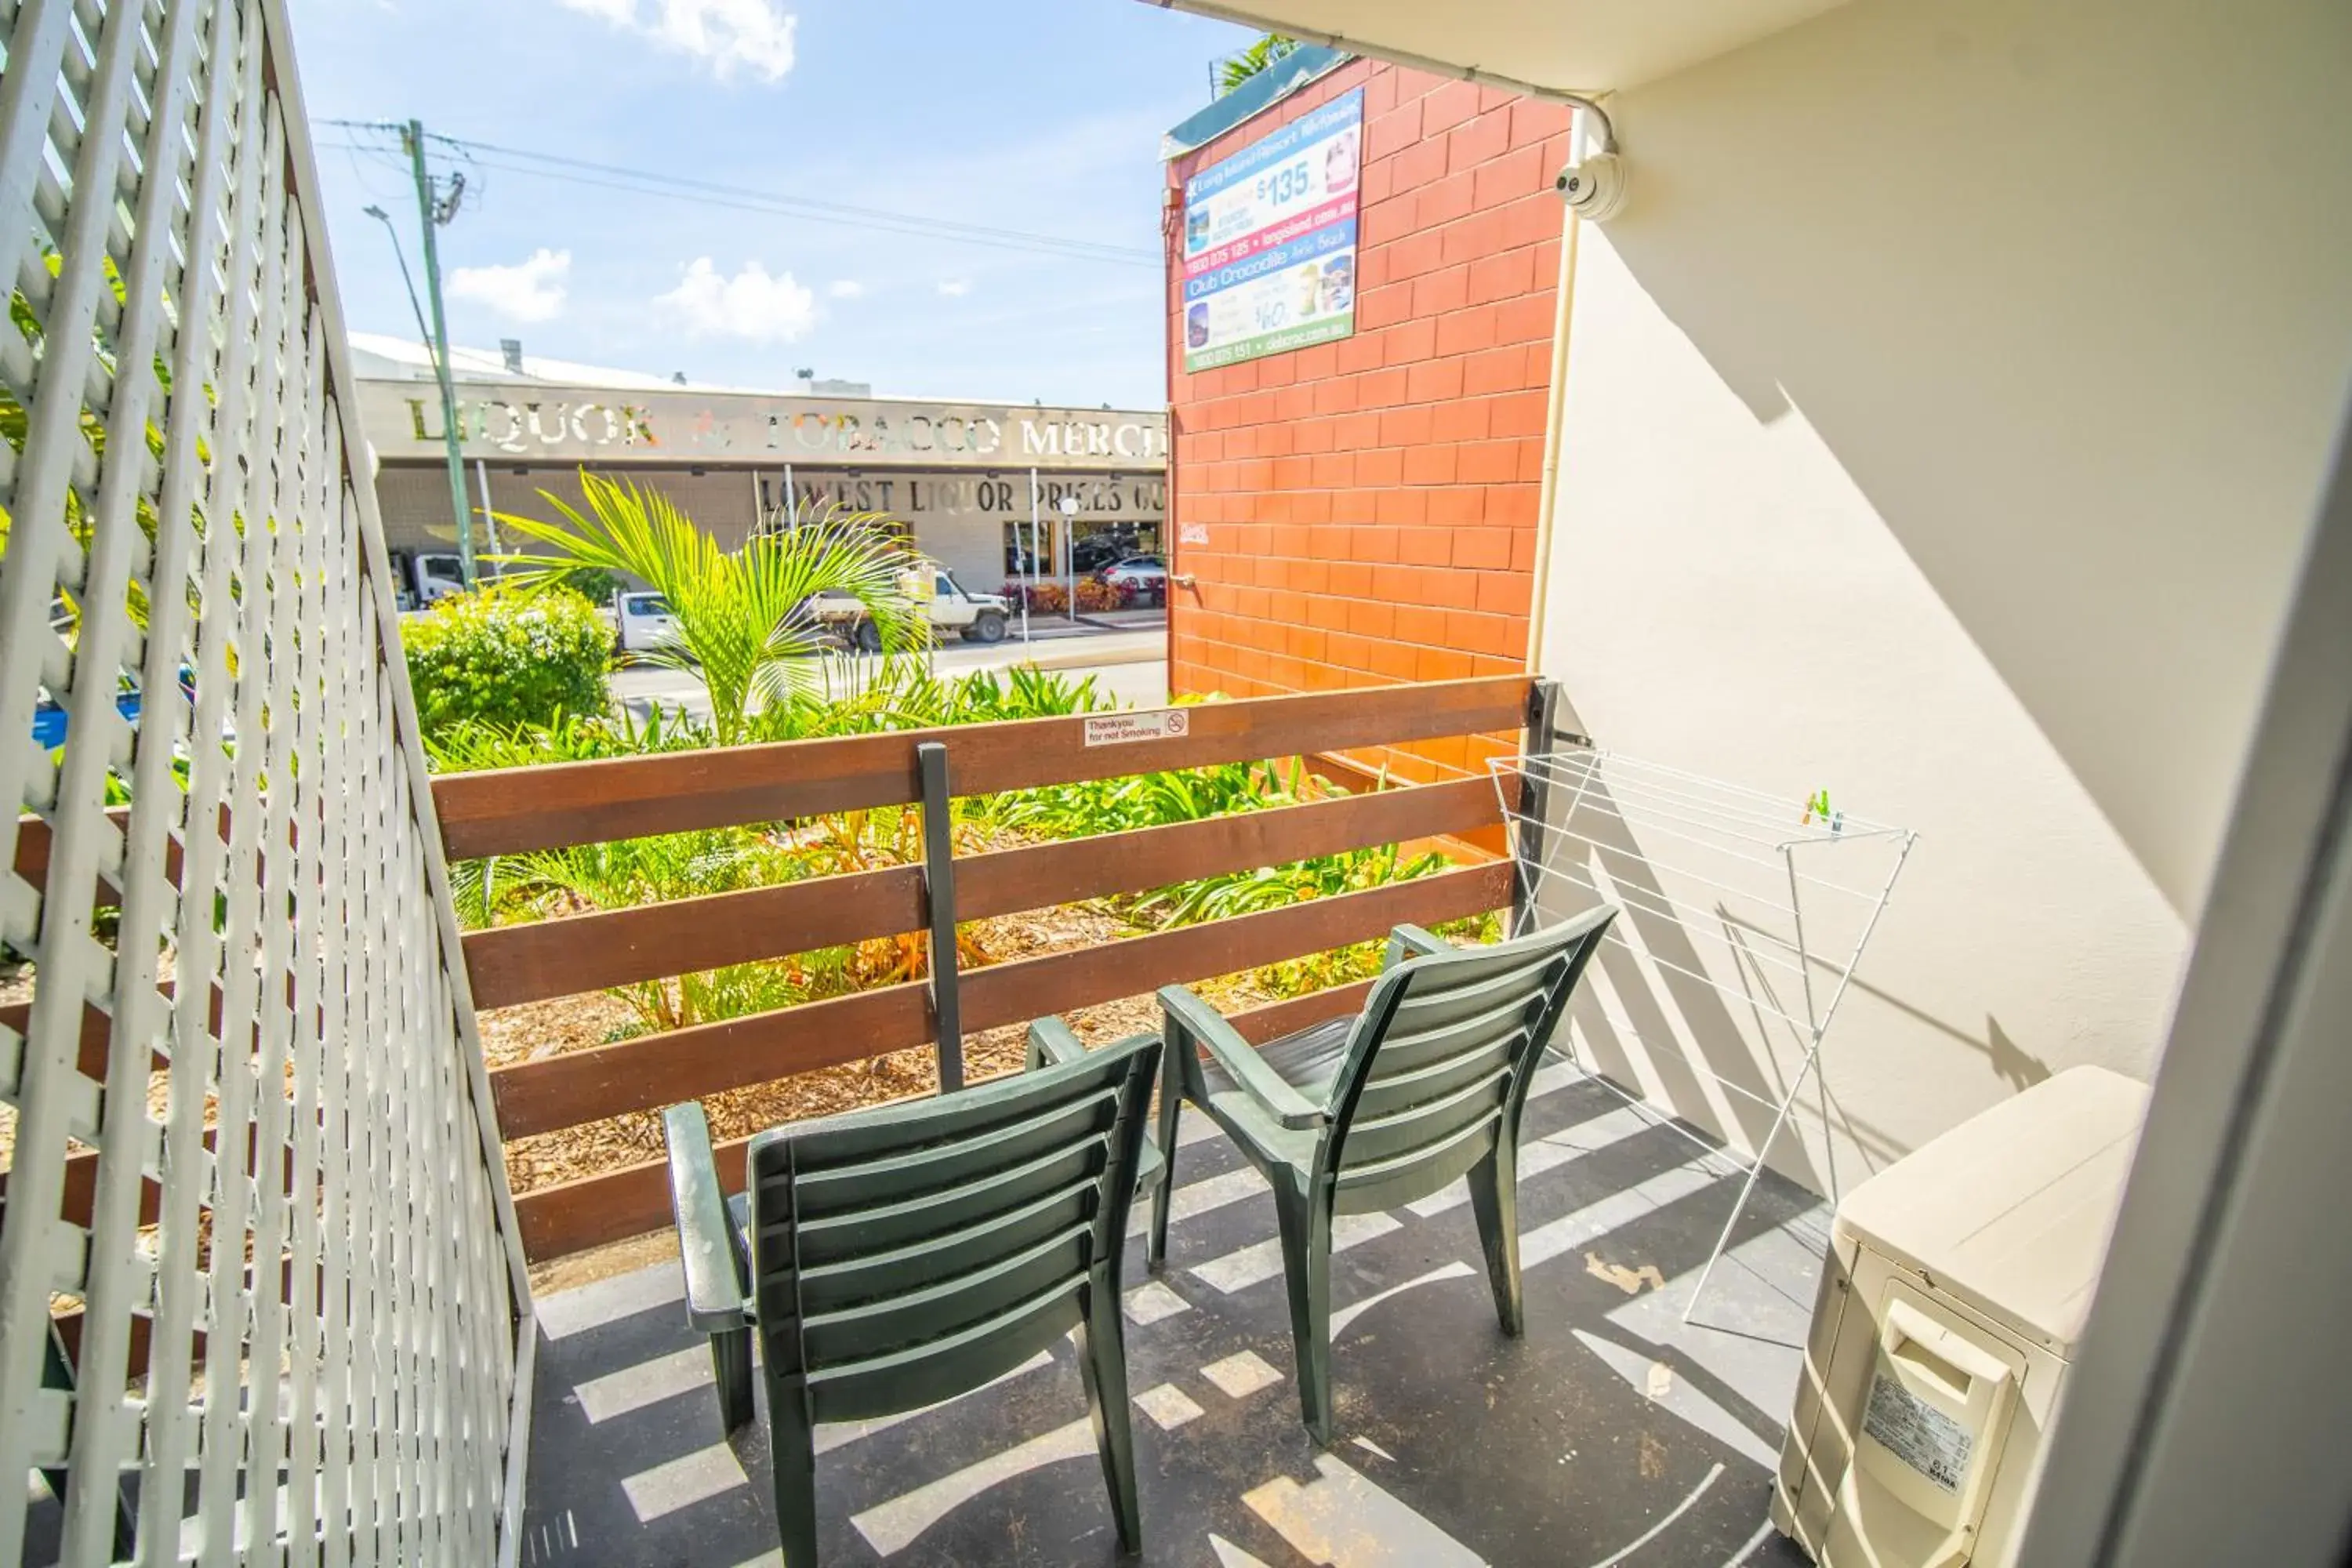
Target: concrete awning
x,y
1576,47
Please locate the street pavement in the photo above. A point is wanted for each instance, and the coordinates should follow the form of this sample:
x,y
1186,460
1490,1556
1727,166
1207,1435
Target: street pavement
x,y
1131,666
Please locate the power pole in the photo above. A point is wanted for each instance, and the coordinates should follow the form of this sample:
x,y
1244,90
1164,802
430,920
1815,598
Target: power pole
x,y
431,216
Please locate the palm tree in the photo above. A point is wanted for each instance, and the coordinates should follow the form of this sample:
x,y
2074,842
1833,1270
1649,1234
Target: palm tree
x,y
1237,69
739,613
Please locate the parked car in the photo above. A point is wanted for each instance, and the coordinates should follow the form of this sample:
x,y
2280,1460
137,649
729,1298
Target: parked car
x,y
1145,577
1091,553
642,621
976,617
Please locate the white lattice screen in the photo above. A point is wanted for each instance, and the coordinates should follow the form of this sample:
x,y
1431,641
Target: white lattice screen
x,y
258,1285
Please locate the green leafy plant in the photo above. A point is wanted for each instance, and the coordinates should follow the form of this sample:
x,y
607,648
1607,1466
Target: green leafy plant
x,y
734,992
474,745
1237,69
1024,691
628,871
504,656
902,692
894,693
739,613
1362,959
597,584
1145,800
1278,887
903,695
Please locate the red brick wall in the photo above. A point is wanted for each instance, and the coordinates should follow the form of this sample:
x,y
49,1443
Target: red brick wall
x,y
1371,504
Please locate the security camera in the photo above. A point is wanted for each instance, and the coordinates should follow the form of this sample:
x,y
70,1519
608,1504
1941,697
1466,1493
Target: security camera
x,y
1593,186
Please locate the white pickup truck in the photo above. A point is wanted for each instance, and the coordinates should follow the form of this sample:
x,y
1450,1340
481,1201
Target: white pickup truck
x,y
422,576
976,617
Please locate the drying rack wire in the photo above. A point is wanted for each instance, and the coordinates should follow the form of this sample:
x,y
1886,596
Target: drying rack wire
x,y
1768,901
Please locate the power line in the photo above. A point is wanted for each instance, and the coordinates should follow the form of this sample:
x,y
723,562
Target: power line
x,y
888,222
697,193
641,182
1126,252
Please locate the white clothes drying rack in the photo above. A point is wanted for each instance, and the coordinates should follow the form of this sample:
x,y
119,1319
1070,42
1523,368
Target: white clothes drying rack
x,y
1769,900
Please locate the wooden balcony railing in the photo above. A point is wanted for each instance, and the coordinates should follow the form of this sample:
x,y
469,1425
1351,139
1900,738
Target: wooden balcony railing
x,y
594,801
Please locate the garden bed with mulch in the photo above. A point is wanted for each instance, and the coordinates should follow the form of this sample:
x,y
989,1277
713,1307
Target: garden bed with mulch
x,y
538,1030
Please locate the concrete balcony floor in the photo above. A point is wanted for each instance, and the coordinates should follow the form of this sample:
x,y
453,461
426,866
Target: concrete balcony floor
x,y
1611,1434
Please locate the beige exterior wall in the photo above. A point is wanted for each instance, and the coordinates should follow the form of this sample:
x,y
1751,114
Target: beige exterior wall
x,y
958,474
957,519
1943,417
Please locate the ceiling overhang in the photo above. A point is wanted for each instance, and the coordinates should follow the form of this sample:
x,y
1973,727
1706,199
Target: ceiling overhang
x,y
1560,48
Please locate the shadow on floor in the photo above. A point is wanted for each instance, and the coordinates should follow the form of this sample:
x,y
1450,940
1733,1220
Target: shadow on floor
x,y
1611,1434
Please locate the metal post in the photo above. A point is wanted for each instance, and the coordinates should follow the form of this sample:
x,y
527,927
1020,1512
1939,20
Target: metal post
x,y
939,894
791,502
1030,591
489,518
1069,509
429,219
1535,800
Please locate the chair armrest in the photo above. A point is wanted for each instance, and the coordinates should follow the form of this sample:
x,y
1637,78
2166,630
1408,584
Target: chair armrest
x,y
1189,1018
1052,1042
706,1242
1410,942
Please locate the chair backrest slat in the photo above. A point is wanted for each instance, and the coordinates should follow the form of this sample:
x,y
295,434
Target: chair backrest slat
x,y
968,1299
1450,1001
1431,1122
956,1156
1387,1094
1439,1062
927,1370
1424,1168
1409,1050
865,1274
902,1255
1476,974
855,1231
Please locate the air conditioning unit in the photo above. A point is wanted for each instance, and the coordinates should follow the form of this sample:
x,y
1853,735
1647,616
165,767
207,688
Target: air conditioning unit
x,y
1950,1305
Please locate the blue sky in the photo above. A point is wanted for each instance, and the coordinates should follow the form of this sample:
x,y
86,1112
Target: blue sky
x,y
1041,116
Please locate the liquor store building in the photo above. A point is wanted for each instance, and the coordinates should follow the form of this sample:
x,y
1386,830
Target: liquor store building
x,y
974,484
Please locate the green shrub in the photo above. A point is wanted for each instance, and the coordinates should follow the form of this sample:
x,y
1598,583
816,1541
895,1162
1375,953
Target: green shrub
x,y
593,583
475,745
507,657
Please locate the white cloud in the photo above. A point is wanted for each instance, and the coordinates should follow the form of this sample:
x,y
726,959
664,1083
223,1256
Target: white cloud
x,y
954,288
529,290
753,34
752,304
845,288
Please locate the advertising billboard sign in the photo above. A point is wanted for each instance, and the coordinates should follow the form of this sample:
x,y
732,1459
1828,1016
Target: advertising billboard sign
x,y
1270,240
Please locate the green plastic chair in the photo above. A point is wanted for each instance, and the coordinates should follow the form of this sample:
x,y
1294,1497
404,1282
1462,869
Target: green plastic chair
x,y
1426,1084
893,1258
